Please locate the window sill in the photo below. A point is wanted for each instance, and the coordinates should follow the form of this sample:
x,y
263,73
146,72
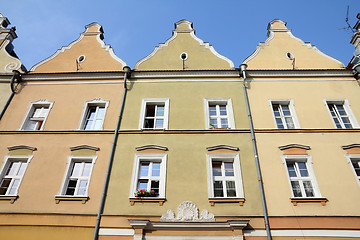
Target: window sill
x,y
9,198
295,201
71,198
147,199
212,201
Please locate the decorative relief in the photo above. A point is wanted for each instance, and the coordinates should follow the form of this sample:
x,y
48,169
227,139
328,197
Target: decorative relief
x,y
187,212
11,66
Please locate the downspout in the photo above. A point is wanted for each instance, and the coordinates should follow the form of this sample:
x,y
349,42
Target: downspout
x,y
127,73
262,193
16,75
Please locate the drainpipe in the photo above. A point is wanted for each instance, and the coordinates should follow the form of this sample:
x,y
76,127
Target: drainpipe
x,y
127,73
16,76
262,193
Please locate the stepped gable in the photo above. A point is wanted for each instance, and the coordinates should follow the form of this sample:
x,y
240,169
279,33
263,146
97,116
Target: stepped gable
x,y
282,50
88,53
184,51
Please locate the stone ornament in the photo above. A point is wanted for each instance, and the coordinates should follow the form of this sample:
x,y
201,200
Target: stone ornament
x,y
187,212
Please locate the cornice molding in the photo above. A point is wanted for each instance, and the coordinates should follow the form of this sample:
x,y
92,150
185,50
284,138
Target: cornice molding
x,y
84,147
294,146
22,147
151,147
222,147
351,146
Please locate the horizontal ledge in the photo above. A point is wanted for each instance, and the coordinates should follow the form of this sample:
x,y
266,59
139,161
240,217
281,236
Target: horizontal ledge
x,y
295,201
212,201
9,198
147,199
71,198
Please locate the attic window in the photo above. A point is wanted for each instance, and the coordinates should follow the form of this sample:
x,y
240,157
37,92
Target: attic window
x,y
289,55
81,58
183,56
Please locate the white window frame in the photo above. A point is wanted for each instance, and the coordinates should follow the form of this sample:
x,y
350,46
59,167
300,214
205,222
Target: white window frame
x,y
30,111
225,157
350,158
12,158
154,101
149,158
69,166
291,105
347,109
308,162
97,102
218,101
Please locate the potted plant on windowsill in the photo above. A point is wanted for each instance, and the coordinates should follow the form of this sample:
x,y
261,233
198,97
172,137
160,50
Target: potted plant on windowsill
x,y
143,193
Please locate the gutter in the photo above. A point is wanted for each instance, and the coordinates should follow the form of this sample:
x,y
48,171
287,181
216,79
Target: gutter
x,y
127,74
16,76
262,193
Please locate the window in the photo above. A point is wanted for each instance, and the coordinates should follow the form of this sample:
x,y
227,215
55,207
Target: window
x,y
149,174
219,113
94,114
224,176
301,177
355,163
341,114
12,173
36,115
154,114
77,178
284,114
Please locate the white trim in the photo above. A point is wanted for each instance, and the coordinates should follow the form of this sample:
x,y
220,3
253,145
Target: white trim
x,y
192,34
224,157
5,165
349,158
150,158
102,43
116,232
69,164
308,162
90,103
347,108
291,105
229,109
30,110
154,101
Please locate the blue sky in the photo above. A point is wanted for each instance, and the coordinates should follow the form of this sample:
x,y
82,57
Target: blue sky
x,y
134,28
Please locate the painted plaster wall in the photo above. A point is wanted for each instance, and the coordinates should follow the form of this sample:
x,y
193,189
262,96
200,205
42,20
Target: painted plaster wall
x,y
333,172
69,100
45,172
186,102
186,175
5,93
308,95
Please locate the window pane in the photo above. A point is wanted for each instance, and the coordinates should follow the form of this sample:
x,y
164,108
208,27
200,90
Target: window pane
x,y
289,122
279,123
82,187
144,169
302,169
291,169
101,111
87,169
76,169
218,189
212,110
276,110
296,188
142,185
230,189
213,122
216,168
309,191
229,170
224,123
286,110
91,114
159,123
70,190
13,166
155,185
149,123
356,166
22,169
37,112
88,125
98,124
160,111
150,110
4,185
31,125
14,187
223,111
156,169
341,110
